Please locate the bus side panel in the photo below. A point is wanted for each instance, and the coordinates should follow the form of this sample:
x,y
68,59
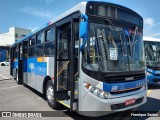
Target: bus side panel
x,y
41,72
36,69
31,72
50,66
25,80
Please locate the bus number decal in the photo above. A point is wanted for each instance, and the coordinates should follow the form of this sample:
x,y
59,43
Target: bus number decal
x,y
114,88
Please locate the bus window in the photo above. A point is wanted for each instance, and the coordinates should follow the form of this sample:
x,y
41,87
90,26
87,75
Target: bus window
x,y
26,49
16,52
39,38
49,42
31,51
39,50
50,35
32,41
49,49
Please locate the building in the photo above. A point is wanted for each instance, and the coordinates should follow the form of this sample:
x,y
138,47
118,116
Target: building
x,y
14,34
8,38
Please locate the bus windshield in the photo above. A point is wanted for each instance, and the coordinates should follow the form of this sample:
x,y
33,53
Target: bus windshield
x,y
109,49
152,53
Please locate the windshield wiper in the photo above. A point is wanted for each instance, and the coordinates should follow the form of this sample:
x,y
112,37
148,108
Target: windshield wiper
x,y
122,45
133,40
135,33
127,34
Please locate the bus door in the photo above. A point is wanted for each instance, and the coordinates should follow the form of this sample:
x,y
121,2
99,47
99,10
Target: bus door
x,y
20,63
64,81
24,62
11,61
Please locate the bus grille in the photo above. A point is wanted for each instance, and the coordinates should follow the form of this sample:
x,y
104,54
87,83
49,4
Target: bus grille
x,y
122,105
126,91
117,79
156,74
156,80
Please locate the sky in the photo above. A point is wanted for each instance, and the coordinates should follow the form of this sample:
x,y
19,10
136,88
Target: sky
x,y
32,14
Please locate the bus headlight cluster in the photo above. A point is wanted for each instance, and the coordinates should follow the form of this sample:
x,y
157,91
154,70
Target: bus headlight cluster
x,y
148,73
96,91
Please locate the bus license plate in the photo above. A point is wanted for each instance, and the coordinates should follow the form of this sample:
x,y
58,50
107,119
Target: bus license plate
x,y
129,102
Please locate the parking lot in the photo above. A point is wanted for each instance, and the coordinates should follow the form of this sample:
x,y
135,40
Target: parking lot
x,y
14,97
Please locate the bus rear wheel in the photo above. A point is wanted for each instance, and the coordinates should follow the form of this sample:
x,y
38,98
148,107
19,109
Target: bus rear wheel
x,y
17,79
50,95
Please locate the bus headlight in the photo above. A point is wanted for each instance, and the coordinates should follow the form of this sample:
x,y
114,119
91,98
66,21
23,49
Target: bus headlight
x,y
148,73
96,91
92,89
104,95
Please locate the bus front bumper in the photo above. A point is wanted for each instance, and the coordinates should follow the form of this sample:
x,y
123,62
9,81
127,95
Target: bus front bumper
x,y
95,106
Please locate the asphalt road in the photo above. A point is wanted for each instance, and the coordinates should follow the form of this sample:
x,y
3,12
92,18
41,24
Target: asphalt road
x,y
15,97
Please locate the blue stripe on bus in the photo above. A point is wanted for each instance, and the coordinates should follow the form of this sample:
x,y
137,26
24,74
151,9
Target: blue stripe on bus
x,y
15,63
155,72
112,87
32,66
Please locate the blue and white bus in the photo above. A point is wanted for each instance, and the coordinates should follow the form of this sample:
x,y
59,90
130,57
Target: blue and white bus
x,y
152,53
90,58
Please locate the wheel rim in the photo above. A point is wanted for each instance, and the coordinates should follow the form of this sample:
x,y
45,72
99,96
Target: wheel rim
x,y
50,94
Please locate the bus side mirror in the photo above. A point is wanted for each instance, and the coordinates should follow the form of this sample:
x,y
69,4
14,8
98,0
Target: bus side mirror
x,y
83,30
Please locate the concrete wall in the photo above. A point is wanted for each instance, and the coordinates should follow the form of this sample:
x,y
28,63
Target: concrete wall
x,y
14,34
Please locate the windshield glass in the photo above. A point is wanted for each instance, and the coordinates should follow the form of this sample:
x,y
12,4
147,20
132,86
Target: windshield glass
x,y
136,50
109,49
152,53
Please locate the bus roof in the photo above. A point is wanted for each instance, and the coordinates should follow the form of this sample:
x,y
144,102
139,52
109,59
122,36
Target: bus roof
x,y
151,39
81,7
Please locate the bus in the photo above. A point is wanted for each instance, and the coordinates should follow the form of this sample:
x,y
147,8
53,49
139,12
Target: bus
x,y
152,54
90,58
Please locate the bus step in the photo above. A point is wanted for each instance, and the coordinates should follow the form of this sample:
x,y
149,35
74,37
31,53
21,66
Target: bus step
x,y
62,95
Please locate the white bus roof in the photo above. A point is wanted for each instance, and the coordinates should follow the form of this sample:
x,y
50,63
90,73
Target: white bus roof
x,y
151,39
80,7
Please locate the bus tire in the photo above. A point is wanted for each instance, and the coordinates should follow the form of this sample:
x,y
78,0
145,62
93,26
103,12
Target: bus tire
x,y
50,95
2,64
17,79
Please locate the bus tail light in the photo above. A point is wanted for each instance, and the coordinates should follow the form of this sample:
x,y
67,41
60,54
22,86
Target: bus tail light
x,y
96,91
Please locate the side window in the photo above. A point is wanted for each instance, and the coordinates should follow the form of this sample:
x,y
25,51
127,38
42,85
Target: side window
x,y
16,52
39,50
26,49
50,35
31,49
39,38
21,52
49,42
32,41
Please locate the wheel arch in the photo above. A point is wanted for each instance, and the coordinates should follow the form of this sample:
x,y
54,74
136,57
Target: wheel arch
x,y
46,79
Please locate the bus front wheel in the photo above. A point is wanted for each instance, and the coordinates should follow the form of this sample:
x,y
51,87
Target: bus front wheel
x,y
50,95
17,79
